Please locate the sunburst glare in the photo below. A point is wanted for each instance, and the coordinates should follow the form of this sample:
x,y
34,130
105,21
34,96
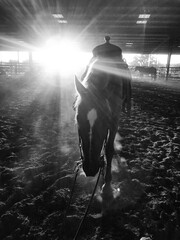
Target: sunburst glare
x,y
62,56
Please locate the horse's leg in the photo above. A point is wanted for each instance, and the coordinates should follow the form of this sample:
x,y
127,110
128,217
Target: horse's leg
x,y
107,190
109,155
109,149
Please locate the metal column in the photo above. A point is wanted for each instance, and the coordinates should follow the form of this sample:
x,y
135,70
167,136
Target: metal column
x,y
30,59
169,58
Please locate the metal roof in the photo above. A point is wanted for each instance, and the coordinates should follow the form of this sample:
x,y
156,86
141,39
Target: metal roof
x,y
26,23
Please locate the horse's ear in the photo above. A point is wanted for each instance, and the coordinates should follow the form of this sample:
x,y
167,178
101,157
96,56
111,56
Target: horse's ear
x,y
80,87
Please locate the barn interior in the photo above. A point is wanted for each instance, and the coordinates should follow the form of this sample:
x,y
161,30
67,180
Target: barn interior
x,y
43,43
139,27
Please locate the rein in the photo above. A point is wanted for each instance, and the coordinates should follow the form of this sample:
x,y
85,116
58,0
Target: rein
x,y
80,150
95,187
89,204
79,165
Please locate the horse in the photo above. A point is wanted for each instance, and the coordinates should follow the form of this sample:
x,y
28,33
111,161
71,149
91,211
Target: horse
x,y
143,70
102,95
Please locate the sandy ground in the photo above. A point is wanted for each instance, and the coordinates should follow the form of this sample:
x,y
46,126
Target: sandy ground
x,y
38,150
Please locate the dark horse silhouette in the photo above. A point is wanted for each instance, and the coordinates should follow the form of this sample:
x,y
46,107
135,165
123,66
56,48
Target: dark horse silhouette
x,y
103,94
143,70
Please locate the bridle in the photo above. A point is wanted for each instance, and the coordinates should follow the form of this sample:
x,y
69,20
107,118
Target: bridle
x,y
80,149
107,114
102,156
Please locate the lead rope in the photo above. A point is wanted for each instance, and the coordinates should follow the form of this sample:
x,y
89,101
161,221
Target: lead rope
x,y
79,164
90,201
71,195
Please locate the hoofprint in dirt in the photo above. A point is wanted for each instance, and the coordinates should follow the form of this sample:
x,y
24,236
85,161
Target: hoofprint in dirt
x,y
38,150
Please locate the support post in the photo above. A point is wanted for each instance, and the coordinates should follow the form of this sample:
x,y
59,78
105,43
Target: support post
x,y
18,57
30,60
169,58
149,59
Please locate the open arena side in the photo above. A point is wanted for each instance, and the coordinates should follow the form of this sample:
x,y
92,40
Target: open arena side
x,y
39,147
16,68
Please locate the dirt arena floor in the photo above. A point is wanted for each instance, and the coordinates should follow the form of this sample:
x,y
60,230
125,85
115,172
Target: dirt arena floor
x,y
38,150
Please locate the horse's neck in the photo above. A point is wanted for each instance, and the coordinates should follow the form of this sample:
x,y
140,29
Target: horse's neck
x,y
95,84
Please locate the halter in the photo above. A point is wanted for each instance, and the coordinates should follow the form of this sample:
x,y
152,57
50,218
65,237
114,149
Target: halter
x,y
102,157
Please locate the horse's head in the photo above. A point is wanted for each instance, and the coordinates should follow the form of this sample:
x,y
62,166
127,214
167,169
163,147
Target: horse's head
x,y
92,115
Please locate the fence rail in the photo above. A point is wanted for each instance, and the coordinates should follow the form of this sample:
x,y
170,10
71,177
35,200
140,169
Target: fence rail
x,y
13,68
174,72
